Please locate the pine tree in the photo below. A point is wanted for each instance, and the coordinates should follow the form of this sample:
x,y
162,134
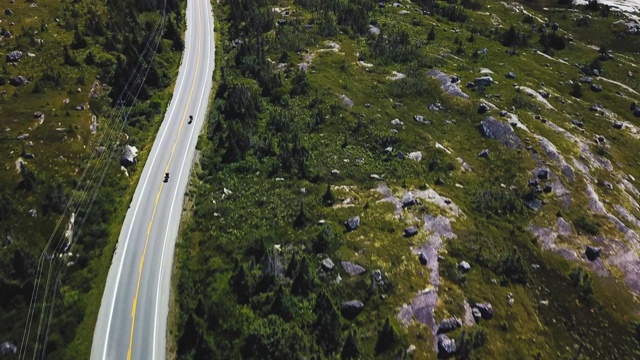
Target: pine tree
x,y
325,241
327,198
388,337
432,34
281,304
304,281
327,325
301,219
351,348
239,283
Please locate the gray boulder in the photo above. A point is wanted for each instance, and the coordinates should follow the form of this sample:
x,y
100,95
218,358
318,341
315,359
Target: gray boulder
x,y
374,30
377,275
351,309
483,81
498,130
410,231
596,88
464,266
448,84
510,75
484,153
18,80
618,125
129,156
353,223
595,72
8,349
351,268
482,109
8,12
547,188
423,258
446,346
542,173
449,324
486,310
476,314
586,79
408,200
14,56
327,264
592,253
421,119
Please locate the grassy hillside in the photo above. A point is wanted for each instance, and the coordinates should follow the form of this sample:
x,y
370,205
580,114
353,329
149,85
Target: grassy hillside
x,y
63,133
328,110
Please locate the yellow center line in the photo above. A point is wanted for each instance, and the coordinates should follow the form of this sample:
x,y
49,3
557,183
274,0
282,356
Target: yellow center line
x,y
155,207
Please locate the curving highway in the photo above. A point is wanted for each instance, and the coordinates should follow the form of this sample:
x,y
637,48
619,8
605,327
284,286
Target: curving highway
x,y
132,321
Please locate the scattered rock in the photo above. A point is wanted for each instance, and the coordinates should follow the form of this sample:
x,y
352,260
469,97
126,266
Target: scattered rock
x,y
482,109
486,310
353,223
475,312
416,156
377,275
484,153
449,324
446,346
595,72
596,88
129,156
33,213
327,264
542,174
436,107
423,258
498,130
14,56
346,102
618,125
577,123
421,119
592,253
483,81
8,349
351,309
464,266
586,80
510,75
448,85
374,30
351,268
608,185
396,122
410,231
18,80
503,113
408,199
547,188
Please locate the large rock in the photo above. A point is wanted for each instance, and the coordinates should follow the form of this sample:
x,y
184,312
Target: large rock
x,y
353,223
346,102
416,155
449,324
410,231
510,75
423,258
448,84
18,80
482,109
464,266
351,309
486,310
8,349
446,346
129,156
477,316
596,88
483,81
498,130
327,264
408,200
14,56
351,268
592,252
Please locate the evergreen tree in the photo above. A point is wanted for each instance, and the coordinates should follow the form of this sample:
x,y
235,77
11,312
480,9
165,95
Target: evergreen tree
x,y
301,219
281,304
327,198
239,284
388,337
576,90
325,241
292,267
327,325
351,348
304,282
432,34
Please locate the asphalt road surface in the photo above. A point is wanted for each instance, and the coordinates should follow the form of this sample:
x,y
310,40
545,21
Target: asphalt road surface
x,y
132,321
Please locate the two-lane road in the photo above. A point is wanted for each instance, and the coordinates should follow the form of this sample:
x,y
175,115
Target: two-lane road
x,y
132,321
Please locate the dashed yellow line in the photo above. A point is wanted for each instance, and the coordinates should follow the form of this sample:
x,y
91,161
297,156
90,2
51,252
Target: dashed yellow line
x,y
155,206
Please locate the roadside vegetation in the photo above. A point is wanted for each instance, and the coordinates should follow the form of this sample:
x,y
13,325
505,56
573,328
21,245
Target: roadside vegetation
x,y
311,126
77,60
